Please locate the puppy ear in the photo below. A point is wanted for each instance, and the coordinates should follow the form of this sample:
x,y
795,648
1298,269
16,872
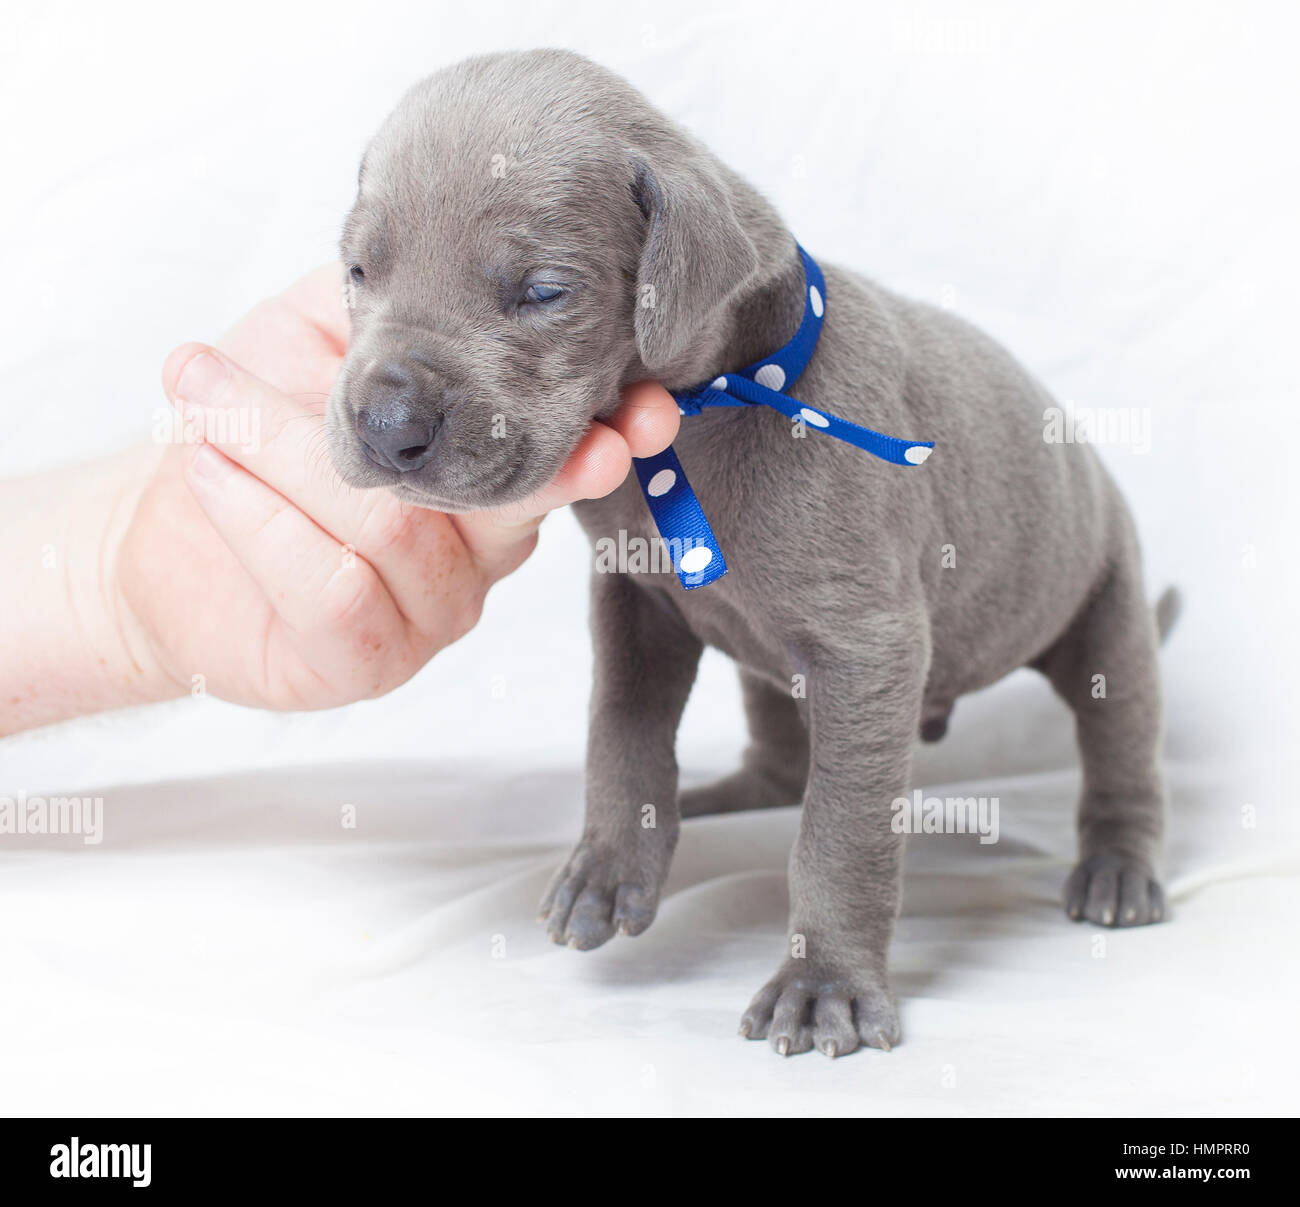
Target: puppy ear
x,y
695,256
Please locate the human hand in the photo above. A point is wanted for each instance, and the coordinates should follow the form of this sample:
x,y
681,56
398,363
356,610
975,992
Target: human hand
x,y
251,564
260,570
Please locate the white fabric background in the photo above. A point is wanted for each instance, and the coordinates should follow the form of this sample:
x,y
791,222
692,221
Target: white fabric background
x,y
1109,189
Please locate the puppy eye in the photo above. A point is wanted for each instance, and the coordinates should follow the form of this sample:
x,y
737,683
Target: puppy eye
x,y
357,274
542,292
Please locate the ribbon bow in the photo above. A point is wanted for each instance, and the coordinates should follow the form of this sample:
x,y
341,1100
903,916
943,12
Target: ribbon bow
x,y
696,555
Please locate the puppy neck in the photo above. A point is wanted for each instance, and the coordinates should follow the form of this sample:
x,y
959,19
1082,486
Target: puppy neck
x,y
766,316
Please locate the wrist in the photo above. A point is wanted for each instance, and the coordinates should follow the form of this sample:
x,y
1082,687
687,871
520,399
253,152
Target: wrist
x,y
136,672
72,646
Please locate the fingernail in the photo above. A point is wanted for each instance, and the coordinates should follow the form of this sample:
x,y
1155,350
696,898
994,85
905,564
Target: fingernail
x,y
201,379
208,463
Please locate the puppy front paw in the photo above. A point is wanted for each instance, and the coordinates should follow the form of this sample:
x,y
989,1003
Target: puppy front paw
x,y
1114,890
596,895
805,1007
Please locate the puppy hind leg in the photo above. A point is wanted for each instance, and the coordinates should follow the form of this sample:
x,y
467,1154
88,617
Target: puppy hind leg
x,y
1105,668
774,768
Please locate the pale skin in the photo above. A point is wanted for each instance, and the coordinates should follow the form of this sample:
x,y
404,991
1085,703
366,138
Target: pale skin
x,y
251,569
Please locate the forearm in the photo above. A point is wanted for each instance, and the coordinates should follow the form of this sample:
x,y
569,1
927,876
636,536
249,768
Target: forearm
x,y
67,646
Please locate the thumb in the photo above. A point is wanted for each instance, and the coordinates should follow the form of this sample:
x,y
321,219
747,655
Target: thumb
x,y
644,424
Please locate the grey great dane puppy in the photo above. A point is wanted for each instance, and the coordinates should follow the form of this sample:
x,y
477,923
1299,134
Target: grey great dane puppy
x,y
530,235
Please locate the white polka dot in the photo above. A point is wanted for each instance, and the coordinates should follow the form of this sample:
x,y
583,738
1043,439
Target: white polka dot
x,y
681,410
694,560
917,453
662,482
718,383
772,376
815,297
814,417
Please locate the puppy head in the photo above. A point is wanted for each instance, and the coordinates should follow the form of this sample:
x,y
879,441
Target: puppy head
x,y
529,235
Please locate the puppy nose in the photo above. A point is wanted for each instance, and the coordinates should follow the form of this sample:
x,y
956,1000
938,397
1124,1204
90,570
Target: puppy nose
x,y
402,443
393,435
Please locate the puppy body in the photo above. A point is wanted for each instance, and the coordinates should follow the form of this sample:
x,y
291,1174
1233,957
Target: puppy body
x,y
862,600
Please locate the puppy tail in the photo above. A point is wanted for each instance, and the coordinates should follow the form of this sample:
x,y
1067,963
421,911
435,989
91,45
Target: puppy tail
x,y
1168,608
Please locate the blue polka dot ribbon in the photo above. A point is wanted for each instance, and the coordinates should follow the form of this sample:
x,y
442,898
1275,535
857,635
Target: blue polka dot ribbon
x,y
696,555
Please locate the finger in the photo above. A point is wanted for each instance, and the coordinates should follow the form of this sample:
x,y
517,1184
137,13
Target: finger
x,y
419,554
647,419
230,408
318,591
271,435
596,467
